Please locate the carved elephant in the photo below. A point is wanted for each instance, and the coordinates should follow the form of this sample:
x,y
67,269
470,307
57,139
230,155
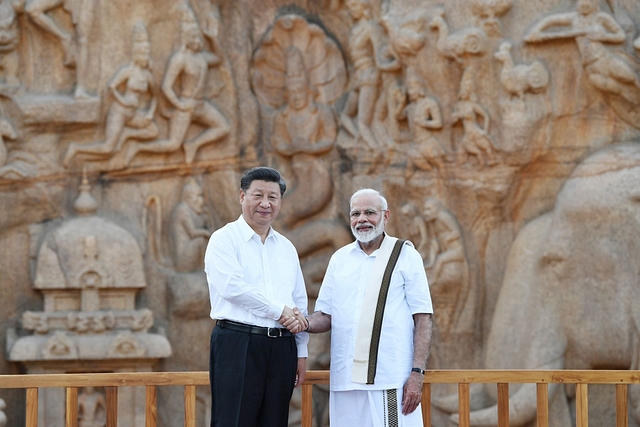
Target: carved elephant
x,y
570,297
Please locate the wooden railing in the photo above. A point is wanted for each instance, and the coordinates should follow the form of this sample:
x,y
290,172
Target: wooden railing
x,y
152,380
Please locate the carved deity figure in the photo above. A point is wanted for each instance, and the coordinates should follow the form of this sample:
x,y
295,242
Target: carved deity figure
x,y
75,46
131,114
368,57
9,39
189,229
591,29
304,130
187,69
424,116
476,140
92,408
445,260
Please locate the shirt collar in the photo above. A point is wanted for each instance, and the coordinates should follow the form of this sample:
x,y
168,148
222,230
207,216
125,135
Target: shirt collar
x,y
355,246
247,232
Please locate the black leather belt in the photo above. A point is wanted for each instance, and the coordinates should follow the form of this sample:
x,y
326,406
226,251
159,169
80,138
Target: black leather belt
x,y
251,329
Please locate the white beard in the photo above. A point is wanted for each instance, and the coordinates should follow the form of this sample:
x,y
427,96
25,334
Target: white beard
x,y
367,236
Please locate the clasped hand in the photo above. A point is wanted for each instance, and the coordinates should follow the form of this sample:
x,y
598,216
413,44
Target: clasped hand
x,y
293,320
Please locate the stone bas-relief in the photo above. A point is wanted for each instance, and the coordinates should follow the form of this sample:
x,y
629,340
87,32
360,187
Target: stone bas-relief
x,y
479,110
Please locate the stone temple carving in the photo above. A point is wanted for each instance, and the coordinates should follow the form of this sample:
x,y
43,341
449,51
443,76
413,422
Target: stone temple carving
x,y
75,44
189,229
179,97
131,113
89,270
189,67
521,78
304,130
592,29
92,408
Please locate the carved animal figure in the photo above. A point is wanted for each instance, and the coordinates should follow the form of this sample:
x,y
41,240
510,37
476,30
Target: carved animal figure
x,y
470,41
570,293
518,79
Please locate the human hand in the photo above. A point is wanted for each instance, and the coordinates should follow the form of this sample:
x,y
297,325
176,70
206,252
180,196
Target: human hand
x,y
412,393
295,323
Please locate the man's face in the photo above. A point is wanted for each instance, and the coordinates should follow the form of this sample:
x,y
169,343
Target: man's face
x,y
367,218
261,203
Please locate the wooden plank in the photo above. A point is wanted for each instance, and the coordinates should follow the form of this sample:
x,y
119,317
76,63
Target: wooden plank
x,y
105,379
582,405
464,406
32,407
72,407
151,405
426,404
189,406
622,405
112,406
307,405
542,394
503,405
319,377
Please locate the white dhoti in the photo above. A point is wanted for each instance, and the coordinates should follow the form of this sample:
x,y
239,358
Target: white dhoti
x,y
371,408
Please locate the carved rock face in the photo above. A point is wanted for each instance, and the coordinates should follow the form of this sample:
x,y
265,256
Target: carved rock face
x,y
89,246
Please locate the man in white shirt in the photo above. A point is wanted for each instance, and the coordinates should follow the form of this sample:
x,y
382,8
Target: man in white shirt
x,y
379,348
255,282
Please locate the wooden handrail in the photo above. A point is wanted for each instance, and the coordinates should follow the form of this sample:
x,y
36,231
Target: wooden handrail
x,y
151,380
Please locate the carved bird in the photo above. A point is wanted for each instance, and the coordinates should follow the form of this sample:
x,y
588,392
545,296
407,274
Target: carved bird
x,y
518,79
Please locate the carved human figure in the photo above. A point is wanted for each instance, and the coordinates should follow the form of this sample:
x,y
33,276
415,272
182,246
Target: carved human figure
x,y
9,39
368,57
75,46
591,28
91,408
487,12
187,69
304,130
424,116
189,229
476,140
6,131
445,259
131,113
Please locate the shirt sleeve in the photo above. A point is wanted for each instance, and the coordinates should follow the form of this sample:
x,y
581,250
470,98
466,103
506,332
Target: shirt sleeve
x,y
226,277
323,303
416,286
301,301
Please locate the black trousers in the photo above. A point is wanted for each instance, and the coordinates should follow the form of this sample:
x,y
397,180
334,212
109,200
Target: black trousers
x,y
252,378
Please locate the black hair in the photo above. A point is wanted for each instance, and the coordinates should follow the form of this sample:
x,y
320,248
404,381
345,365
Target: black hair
x,y
262,173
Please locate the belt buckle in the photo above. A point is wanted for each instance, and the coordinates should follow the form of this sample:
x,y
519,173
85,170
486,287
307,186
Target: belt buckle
x,y
278,332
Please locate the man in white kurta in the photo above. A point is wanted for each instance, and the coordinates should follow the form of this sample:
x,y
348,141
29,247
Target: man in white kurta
x,y
405,336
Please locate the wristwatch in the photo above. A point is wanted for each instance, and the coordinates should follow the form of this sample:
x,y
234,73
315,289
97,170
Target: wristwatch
x,y
418,370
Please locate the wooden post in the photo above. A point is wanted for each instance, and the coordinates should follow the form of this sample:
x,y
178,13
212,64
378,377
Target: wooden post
x,y
426,404
32,407
72,407
582,405
622,405
542,393
503,404
189,406
307,405
151,413
464,407
112,406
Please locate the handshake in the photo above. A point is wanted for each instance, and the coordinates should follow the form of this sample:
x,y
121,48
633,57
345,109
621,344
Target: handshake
x,y
293,320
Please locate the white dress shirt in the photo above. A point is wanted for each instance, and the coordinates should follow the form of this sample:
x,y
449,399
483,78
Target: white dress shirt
x,y
341,296
251,282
